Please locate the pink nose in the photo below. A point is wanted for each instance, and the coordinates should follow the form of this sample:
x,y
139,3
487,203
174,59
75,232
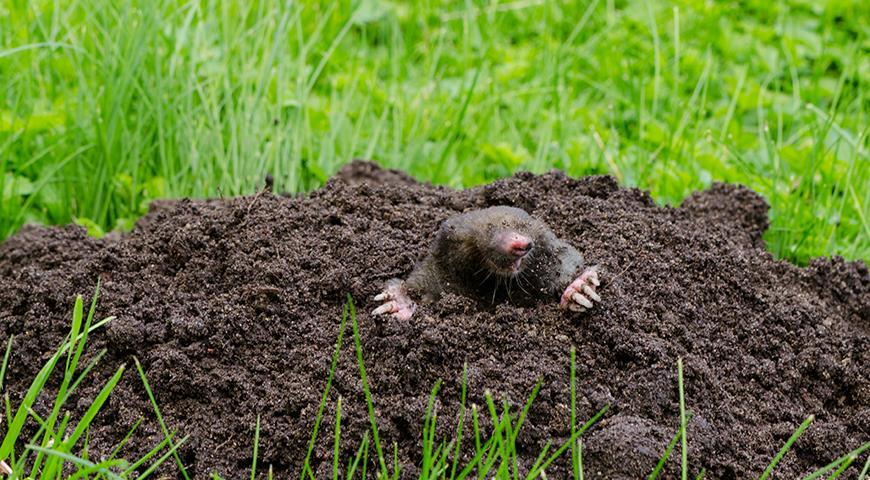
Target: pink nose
x,y
518,245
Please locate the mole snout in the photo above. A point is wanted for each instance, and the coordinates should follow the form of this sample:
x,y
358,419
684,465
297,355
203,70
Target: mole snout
x,y
515,244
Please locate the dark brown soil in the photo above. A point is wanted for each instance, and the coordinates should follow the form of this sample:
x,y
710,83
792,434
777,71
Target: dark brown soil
x,y
233,308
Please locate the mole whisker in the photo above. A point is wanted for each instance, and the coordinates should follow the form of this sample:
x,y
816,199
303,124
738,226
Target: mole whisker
x,y
488,274
520,283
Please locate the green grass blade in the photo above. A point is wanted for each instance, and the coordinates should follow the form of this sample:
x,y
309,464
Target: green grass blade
x,y
475,423
684,458
441,455
569,443
77,345
396,466
99,468
8,410
525,411
490,405
78,314
429,422
21,414
81,463
151,453
173,451
320,408
842,468
509,449
494,453
359,456
335,449
160,417
474,462
84,373
542,456
46,432
73,337
366,389
785,448
6,360
90,414
865,469
572,380
458,439
667,453
365,461
256,449
854,453
95,407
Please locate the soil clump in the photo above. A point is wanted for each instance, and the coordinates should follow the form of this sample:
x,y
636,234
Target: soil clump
x,y
233,308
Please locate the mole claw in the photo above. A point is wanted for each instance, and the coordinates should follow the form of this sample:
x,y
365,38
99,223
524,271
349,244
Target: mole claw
x,y
382,296
385,308
582,300
591,293
575,308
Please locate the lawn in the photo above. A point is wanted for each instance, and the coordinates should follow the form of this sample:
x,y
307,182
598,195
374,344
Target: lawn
x,y
108,105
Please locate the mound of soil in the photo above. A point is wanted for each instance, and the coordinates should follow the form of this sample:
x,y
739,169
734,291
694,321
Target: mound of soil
x,y
233,307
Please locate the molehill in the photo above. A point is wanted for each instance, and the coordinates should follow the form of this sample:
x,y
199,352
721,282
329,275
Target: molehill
x,y
233,307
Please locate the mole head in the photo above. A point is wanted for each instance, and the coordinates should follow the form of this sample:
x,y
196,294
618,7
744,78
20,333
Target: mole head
x,y
499,239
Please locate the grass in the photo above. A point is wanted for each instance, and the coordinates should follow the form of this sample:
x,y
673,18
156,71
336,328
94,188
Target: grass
x,y
60,444
108,105
684,450
168,436
55,450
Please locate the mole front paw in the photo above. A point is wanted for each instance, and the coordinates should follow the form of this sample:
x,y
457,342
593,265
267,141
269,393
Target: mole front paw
x,y
580,295
396,301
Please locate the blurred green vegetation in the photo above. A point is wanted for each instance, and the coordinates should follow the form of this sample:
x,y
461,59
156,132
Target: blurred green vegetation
x,y
108,104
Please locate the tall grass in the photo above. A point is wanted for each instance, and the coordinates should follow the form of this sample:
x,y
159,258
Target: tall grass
x,y
110,104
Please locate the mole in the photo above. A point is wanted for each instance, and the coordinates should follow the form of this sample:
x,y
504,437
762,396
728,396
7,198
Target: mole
x,y
494,254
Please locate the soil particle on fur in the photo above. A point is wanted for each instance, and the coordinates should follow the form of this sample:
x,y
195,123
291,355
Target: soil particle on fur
x,y
233,308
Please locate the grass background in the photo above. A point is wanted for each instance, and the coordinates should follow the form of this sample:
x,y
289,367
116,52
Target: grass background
x,y
109,104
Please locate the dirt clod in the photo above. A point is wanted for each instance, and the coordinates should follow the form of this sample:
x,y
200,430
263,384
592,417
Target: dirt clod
x,y
233,308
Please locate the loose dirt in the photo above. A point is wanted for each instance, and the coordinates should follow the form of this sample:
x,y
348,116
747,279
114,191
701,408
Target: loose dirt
x,y
233,307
